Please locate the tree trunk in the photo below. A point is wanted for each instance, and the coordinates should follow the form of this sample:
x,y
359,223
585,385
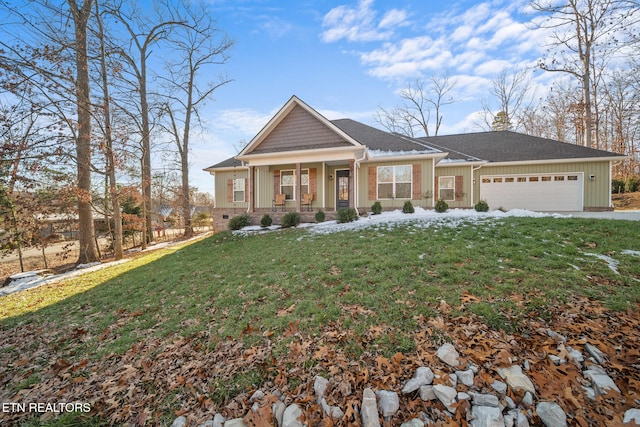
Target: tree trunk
x,y
88,250
110,157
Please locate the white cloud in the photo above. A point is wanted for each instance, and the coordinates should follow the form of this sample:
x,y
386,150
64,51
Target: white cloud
x,y
358,24
393,18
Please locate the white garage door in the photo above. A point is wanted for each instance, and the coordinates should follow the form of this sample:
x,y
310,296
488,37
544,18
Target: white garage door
x,y
536,192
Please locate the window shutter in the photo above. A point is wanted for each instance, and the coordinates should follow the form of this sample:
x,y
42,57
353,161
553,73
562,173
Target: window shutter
x,y
417,181
436,195
312,181
246,190
459,195
276,183
373,176
230,190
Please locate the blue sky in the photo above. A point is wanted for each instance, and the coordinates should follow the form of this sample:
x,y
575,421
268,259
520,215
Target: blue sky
x,y
348,58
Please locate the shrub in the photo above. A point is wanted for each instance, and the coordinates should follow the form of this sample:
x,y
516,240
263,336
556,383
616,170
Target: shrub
x,y
266,221
617,186
408,207
320,216
290,219
482,206
238,222
347,215
633,184
441,206
376,208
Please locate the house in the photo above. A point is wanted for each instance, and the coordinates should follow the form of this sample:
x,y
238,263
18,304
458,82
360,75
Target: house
x,y
347,164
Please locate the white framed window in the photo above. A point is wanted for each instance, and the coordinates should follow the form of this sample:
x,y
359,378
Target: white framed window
x,y
447,188
304,181
288,183
238,189
394,182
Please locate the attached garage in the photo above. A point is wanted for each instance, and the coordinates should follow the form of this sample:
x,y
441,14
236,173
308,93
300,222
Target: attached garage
x,y
538,192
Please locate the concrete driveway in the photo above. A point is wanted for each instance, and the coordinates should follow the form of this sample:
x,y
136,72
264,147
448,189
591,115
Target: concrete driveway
x,y
627,215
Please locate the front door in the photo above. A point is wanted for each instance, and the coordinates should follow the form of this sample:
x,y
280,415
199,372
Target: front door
x,y
342,188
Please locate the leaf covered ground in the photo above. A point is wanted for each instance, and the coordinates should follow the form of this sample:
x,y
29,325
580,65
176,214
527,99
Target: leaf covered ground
x,y
195,330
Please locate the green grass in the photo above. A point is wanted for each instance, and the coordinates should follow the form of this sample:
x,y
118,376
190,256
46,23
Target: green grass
x,y
277,285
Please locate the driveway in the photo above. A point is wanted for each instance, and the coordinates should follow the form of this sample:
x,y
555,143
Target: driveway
x,y
628,215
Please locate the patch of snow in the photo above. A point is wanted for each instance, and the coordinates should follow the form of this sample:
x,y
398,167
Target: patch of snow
x,y
611,263
628,252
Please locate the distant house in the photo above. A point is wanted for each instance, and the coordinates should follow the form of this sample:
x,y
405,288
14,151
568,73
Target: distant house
x,y
342,163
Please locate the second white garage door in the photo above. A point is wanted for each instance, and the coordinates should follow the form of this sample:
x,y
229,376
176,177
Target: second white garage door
x,y
537,192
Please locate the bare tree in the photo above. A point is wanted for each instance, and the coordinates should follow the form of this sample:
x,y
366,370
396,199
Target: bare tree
x,y
86,234
143,34
420,101
197,47
584,30
510,90
108,135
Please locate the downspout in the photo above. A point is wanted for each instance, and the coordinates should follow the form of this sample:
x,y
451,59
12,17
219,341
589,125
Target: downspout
x,y
356,185
473,178
251,192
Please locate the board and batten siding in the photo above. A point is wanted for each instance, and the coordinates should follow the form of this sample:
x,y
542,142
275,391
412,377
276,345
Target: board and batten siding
x,y
463,182
222,188
596,192
422,184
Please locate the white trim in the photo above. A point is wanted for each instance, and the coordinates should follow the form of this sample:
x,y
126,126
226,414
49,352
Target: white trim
x,y
394,182
404,158
295,182
244,190
554,161
453,178
301,156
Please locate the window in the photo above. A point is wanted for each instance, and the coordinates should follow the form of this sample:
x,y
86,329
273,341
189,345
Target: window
x,y
558,178
572,177
533,179
446,188
394,182
546,179
509,180
304,181
522,179
288,183
497,179
486,180
238,190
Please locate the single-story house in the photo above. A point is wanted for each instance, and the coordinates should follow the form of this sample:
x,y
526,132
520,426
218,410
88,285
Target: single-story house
x,y
301,161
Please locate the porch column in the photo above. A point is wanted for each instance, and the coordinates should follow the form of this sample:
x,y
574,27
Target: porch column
x,y
298,188
352,175
252,202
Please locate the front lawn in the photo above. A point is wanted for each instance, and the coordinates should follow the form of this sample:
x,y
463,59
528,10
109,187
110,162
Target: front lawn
x,y
194,329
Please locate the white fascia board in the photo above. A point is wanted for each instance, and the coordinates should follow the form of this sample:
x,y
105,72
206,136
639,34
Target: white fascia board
x,y
405,157
461,163
213,171
301,156
556,161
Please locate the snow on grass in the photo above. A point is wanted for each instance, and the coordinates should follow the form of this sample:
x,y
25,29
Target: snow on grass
x,y
424,218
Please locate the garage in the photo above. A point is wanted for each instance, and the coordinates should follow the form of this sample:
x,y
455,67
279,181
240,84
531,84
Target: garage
x,y
536,192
